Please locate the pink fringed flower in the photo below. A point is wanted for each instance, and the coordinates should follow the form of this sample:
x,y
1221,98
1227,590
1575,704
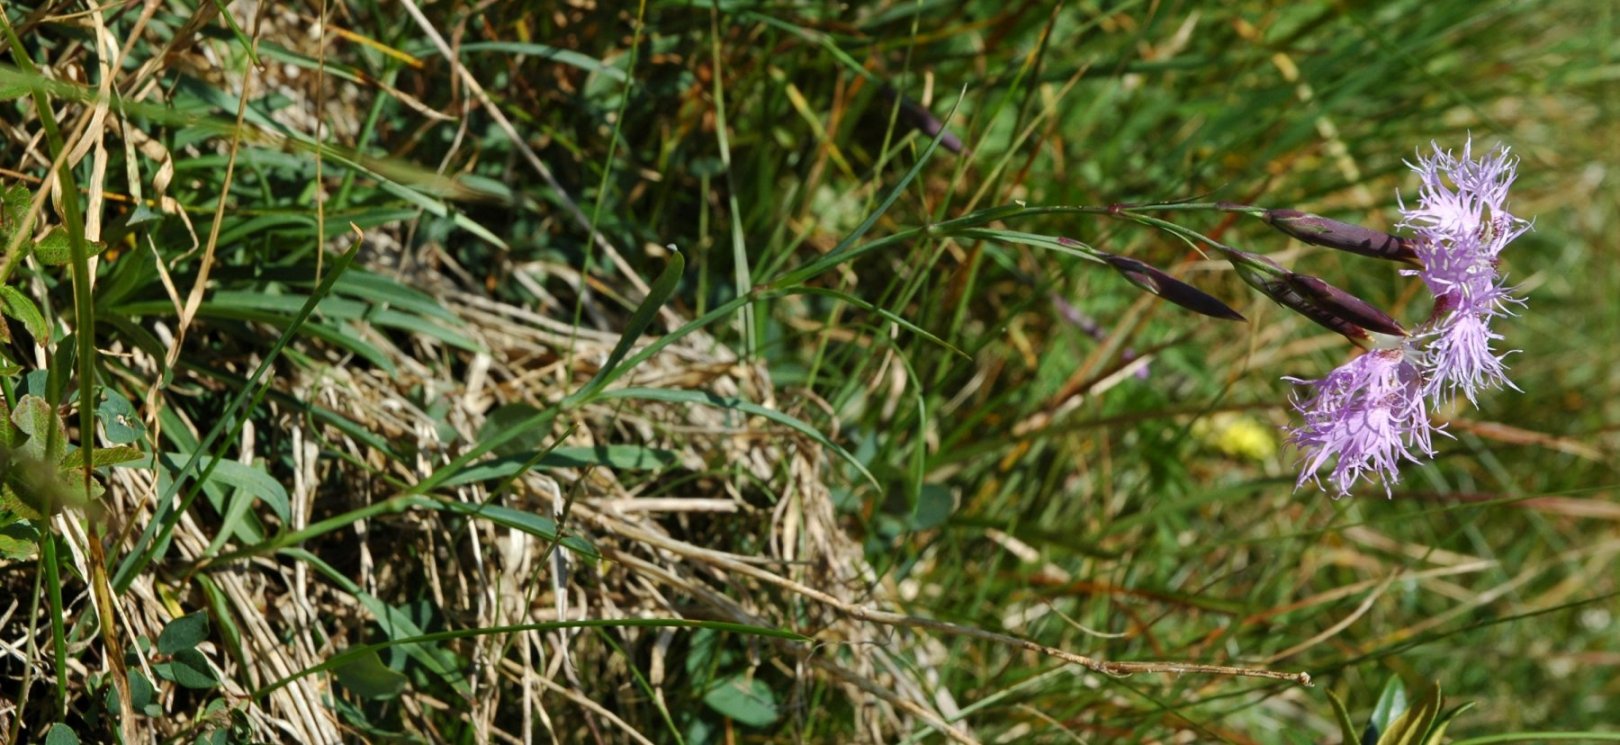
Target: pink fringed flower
x,y
1462,225
1368,415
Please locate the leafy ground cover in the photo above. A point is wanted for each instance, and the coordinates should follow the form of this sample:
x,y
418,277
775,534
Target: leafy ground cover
x,y
780,372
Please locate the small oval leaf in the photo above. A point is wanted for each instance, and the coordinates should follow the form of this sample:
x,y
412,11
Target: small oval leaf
x,y
185,632
368,677
191,669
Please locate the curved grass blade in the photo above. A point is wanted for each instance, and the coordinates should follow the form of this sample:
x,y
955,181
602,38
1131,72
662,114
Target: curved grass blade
x,y
736,404
657,295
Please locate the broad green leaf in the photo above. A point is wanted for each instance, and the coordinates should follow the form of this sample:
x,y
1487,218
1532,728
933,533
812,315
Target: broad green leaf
x,y
56,248
185,632
432,656
34,488
18,540
934,507
1391,705
508,417
846,250
13,205
746,700
61,734
15,304
368,677
140,694
46,434
119,419
191,669
10,436
103,457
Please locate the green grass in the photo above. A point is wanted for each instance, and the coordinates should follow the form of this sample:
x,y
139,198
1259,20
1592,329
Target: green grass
x,y
452,447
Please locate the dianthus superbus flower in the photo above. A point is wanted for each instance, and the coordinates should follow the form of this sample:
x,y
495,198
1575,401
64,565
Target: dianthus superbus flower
x,y
1462,225
1365,417
1369,415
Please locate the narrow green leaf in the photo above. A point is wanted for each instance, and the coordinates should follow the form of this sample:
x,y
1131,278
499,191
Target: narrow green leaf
x,y
381,290
886,314
736,404
527,522
564,56
1347,727
156,532
657,295
248,478
431,656
343,658
617,457
846,249
1437,733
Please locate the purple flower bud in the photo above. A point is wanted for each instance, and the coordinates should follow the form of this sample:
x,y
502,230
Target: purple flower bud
x,y
913,115
1344,305
1176,291
1273,281
1321,231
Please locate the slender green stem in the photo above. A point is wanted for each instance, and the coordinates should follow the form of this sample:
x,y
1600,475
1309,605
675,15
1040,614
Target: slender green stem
x,y
53,590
